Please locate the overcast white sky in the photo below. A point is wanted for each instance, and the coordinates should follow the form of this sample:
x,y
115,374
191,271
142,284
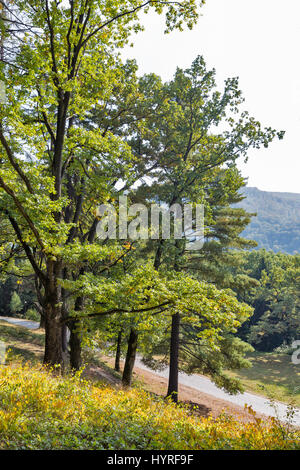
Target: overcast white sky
x,y
258,41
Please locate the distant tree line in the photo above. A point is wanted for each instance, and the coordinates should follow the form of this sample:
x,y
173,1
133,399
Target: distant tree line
x,y
275,298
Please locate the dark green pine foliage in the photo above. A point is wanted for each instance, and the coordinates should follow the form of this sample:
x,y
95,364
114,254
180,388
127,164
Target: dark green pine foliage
x,y
214,263
197,165
223,227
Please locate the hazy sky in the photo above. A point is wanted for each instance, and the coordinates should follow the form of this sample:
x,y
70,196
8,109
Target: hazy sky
x,y
258,41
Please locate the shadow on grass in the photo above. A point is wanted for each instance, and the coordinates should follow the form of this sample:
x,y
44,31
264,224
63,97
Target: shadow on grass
x,y
19,333
23,354
275,370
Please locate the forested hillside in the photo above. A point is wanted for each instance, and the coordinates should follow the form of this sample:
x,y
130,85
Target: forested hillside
x,y
277,224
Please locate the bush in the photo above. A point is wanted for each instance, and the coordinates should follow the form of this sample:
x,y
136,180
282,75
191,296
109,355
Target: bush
x,y
33,315
15,303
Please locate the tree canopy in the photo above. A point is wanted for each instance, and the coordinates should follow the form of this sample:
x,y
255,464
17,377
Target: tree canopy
x,y
80,128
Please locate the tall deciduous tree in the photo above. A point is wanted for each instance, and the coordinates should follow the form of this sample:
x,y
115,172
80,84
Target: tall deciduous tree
x,y
63,65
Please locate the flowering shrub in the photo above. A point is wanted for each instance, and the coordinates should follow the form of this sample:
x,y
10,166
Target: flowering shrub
x,y
41,411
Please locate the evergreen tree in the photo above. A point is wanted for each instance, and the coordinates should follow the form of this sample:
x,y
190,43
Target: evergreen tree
x,y
15,304
197,165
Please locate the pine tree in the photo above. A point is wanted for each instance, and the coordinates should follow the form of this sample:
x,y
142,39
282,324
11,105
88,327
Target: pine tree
x,y
15,303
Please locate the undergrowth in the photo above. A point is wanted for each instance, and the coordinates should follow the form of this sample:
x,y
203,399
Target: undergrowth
x,y
39,410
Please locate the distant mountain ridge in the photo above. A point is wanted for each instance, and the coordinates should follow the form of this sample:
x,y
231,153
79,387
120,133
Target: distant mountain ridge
x,y
277,224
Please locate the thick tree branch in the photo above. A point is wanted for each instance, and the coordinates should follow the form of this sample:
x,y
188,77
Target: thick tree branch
x,y
13,161
27,249
18,204
123,310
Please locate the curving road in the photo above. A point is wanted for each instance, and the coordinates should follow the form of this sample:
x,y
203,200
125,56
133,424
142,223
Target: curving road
x,y
203,384
258,403
31,325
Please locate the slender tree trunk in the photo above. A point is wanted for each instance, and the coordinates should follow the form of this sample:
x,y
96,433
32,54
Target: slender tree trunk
x,y
75,347
174,352
65,338
158,254
75,338
65,335
118,351
174,344
130,358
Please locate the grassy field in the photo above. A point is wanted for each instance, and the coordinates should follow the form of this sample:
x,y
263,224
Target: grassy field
x,y
21,341
272,375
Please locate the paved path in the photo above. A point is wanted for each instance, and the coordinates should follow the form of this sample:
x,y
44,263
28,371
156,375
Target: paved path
x,y
203,384
32,325
258,403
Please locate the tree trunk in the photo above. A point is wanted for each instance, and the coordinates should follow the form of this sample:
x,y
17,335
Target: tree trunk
x,y
54,355
75,347
118,351
53,339
75,339
65,338
174,351
158,254
174,344
42,322
65,332
130,358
